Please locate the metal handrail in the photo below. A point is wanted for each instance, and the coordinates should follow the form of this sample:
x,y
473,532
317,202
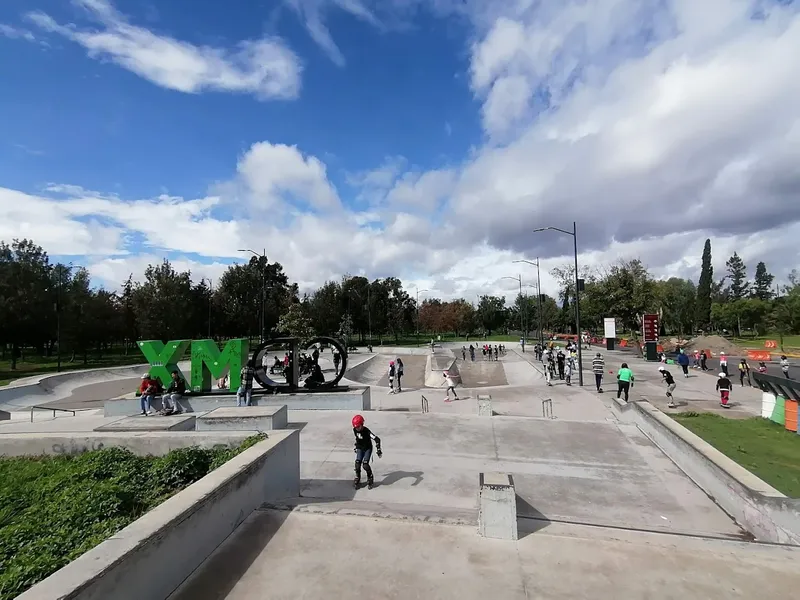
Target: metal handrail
x,y
425,407
54,409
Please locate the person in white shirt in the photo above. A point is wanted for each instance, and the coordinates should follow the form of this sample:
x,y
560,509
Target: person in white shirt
x,y
451,385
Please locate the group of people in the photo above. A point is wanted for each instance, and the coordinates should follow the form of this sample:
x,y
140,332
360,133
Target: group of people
x,y
489,352
151,387
396,372
557,362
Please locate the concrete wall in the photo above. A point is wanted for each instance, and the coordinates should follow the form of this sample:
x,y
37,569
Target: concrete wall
x,y
758,507
438,362
152,556
355,398
156,443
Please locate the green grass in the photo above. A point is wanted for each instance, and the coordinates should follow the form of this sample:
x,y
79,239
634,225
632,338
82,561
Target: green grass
x,y
757,343
46,365
759,445
53,509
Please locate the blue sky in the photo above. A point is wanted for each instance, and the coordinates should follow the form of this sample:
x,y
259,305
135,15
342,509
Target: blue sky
x,y
424,139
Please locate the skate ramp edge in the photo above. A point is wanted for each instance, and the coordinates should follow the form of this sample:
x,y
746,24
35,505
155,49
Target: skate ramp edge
x,y
438,362
358,372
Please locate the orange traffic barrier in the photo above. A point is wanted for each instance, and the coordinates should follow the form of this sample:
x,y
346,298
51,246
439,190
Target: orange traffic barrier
x,y
659,348
709,353
623,343
791,415
770,344
759,355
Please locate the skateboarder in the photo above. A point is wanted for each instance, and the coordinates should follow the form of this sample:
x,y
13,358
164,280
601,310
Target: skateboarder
x,y
724,388
451,385
363,449
670,381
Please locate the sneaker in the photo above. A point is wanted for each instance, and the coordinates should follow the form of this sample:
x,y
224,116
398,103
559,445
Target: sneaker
x,y
144,414
370,485
672,405
447,400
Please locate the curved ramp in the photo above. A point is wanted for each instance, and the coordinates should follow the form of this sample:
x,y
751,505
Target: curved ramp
x,y
438,362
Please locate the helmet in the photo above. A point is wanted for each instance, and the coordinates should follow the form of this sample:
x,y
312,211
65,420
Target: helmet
x,y
661,369
146,376
722,374
391,362
722,354
358,421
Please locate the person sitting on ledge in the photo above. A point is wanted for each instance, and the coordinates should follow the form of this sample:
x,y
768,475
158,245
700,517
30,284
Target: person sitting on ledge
x,y
176,389
315,378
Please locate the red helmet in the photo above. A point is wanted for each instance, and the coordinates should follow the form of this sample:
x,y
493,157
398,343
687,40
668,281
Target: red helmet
x,y
358,421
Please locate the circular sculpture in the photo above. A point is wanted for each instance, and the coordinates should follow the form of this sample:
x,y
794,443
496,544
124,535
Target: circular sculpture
x,y
262,375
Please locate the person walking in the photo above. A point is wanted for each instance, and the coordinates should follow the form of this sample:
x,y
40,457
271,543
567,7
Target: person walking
x,y
463,353
392,373
703,360
785,366
744,372
244,395
670,381
724,388
568,371
598,368
400,372
624,381
683,361
472,353
560,358
696,360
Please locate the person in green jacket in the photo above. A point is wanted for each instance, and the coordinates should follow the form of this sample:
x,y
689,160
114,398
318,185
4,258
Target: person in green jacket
x,y
624,381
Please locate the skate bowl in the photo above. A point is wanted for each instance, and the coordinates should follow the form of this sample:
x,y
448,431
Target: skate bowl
x,y
375,370
438,362
35,391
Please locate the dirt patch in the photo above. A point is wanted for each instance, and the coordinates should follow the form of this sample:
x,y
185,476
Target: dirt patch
x,y
715,343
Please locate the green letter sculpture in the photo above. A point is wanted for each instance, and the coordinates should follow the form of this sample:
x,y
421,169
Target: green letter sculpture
x,y
164,359
208,362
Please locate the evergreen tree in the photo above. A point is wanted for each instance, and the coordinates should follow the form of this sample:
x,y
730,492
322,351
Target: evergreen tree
x,y
704,288
762,284
737,274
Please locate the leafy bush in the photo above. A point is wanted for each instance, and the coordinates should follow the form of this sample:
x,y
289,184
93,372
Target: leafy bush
x,y
53,509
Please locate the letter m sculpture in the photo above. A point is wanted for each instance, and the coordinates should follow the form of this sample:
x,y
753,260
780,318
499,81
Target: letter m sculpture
x,y
209,364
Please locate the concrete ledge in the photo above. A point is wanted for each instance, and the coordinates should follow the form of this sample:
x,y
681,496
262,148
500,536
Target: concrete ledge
x,y
497,516
353,399
156,443
620,404
152,556
245,418
758,507
5,415
485,406
151,423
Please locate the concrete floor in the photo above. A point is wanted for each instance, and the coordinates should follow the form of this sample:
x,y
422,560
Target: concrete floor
x,y
96,394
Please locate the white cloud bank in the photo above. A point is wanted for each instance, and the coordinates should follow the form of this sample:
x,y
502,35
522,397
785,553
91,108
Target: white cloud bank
x,y
668,122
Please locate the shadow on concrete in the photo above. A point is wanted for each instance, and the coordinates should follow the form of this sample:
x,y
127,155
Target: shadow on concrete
x,y
397,409
299,426
529,519
396,476
329,490
221,571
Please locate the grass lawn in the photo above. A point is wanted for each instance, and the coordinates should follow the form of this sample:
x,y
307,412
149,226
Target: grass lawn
x,y
757,343
55,508
759,445
45,365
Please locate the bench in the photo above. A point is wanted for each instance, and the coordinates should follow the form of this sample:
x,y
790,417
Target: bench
x,y
497,499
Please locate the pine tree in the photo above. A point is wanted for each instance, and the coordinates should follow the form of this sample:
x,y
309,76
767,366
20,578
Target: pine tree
x,y
704,288
762,283
737,273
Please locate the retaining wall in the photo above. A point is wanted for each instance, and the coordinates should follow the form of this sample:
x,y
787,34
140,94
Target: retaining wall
x,y
152,556
758,507
438,362
156,443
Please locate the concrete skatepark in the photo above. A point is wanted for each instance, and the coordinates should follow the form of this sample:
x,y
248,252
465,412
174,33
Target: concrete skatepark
x,y
603,512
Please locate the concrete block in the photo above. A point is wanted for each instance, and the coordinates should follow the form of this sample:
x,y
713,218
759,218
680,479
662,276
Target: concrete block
x,y
355,399
244,418
151,423
5,415
497,516
485,406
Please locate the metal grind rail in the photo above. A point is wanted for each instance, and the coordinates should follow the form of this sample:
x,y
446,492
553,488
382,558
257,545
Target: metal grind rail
x,y
54,409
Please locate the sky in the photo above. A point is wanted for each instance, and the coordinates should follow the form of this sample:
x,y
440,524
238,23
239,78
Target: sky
x,y
421,139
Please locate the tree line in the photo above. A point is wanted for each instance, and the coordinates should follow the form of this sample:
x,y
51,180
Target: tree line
x,y
47,307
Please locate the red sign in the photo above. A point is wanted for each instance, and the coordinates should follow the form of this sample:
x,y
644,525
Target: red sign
x,y
770,344
650,326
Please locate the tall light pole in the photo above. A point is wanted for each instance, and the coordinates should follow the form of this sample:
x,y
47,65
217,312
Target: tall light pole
x,y
210,296
574,234
418,291
524,315
538,295
261,313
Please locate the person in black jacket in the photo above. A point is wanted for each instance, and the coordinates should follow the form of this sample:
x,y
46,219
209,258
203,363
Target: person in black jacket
x,y
363,449
176,389
670,381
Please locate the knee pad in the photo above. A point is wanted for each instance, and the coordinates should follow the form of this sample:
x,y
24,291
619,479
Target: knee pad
x,y
357,466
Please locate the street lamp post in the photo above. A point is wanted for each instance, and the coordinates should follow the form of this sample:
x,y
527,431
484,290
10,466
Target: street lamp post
x,y
418,291
261,313
210,296
524,315
574,234
538,295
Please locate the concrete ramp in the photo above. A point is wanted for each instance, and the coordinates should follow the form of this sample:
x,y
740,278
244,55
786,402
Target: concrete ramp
x,y
438,362
481,373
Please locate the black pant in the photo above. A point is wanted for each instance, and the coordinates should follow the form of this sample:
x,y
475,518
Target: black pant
x,y
685,369
561,370
399,377
623,386
598,379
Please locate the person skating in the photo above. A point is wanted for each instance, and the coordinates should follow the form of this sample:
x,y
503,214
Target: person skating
x,y
744,372
560,359
451,385
598,368
762,368
670,381
785,366
392,373
363,449
472,353
400,373
463,353
724,389
570,365
703,359
723,363
624,381
683,361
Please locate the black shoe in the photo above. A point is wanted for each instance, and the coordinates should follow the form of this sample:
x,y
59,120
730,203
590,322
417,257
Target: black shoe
x,y
356,483
370,485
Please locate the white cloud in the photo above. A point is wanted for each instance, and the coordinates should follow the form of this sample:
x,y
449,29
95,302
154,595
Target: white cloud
x,y
16,33
266,67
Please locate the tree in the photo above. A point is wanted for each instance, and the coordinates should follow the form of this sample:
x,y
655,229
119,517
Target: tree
x,y
491,312
737,275
296,323
160,303
677,299
703,315
345,329
762,283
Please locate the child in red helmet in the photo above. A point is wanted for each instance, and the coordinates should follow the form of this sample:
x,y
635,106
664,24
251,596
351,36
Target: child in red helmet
x,y
363,450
